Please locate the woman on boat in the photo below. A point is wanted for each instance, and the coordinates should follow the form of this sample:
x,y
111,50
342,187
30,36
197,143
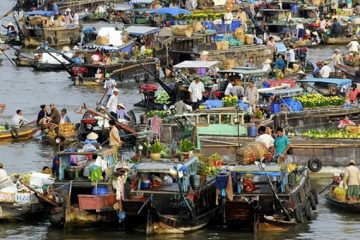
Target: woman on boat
x,y
337,58
280,63
64,118
353,94
300,30
353,45
4,178
345,122
121,113
42,115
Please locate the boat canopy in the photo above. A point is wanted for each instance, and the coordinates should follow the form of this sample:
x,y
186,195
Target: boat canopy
x,y
287,92
142,30
141,1
170,11
122,7
336,81
196,64
168,167
244,71
39,13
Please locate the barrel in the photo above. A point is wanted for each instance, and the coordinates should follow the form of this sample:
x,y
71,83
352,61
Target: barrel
x,y
252,131
275,107
195,181
100,190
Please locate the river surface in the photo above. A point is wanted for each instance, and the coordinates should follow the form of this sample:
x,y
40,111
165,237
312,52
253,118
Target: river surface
x,y
22,88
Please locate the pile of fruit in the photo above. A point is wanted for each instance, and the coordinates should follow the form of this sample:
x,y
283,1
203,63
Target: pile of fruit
x,y
202,15
2,128
230,101
159,113
318,100
205,170
162,98
334,133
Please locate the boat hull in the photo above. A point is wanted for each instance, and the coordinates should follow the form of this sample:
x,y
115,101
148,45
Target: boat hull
x,y
21,211
23,134
343,206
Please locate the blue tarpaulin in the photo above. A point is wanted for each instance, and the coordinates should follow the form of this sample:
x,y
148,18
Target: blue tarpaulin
x,y
339,82
234,25
39,12
141,1
170,11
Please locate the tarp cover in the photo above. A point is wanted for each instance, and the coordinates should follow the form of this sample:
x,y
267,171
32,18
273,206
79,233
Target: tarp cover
x,y
170,11
196,64
141,1
39,12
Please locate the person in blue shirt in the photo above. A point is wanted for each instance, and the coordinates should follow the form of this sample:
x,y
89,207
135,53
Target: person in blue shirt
x,y
280,63
281,142
54,8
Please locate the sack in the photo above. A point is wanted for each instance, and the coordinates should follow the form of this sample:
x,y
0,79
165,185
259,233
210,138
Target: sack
x,y
250,152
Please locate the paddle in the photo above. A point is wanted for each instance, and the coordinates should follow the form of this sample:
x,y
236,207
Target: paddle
x,y
8,58
261,167
325,188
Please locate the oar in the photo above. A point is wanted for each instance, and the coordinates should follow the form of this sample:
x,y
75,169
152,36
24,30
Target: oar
x,y
39,195
325,188
259,164
102,98
8,58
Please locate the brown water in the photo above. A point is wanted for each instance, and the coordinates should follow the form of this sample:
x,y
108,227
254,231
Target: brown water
x,y
25,89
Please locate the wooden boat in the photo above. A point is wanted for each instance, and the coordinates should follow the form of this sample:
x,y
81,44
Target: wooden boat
x,y
346,206
337,41
291,206
21,206
23,61
169,207
348,70
55,35
79,200
24,133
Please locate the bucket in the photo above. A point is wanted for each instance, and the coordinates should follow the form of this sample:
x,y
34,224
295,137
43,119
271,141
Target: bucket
x,y
145,184
275,107
252,131
101,190
266,85
249,39
294,8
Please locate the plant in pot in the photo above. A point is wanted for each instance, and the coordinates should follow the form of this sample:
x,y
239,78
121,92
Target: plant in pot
x,y
186,148
155,150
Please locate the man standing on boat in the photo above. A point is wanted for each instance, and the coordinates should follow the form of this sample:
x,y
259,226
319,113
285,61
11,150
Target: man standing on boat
x,y
112,104
17,121
114,139
196,90
352,181
281,142
4,178
252,95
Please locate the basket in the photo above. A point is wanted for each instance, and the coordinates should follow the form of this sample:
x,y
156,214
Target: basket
x,y
182,30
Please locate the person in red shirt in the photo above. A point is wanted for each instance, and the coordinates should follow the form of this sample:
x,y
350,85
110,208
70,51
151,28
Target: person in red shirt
x,y
353,93
345,122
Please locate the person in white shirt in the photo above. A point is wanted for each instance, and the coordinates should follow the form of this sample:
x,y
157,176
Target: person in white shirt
x,y
291,56
112,104
325,71
267,65
353,45
18,120
228,17
4,178
228,88
265,138
196,90
109,85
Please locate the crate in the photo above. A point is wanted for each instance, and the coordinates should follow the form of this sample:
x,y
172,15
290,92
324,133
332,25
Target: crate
x,y
96,202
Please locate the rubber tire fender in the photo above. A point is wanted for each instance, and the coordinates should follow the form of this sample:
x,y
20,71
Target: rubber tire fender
x,y
315,165
49,39
299,215
315,195
56,40
71,40
307,210
312,201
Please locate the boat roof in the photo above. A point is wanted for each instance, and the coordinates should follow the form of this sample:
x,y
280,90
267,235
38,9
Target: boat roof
x,y
39,12
196,64
122,7
244,70
161,166
142,30
336,81
253,168
287,92
141,1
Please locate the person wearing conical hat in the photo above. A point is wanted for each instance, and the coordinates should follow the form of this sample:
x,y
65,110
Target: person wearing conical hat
x,y
354,45
267,65
121,113
352,181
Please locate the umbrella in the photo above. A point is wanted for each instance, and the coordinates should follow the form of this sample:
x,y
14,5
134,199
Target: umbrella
x,y
170,11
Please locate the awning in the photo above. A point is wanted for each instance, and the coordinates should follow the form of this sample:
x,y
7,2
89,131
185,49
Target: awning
x,y
141,1
196,64
244,71
336,81
122,7
142,30
170,11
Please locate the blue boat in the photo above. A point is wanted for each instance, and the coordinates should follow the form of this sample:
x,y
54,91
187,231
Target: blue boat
x,y
325,86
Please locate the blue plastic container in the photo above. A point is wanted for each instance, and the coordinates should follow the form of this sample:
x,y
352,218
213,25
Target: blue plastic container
x,y
219,37
252,131
275,107
294,8
101,190
266,85
145,185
